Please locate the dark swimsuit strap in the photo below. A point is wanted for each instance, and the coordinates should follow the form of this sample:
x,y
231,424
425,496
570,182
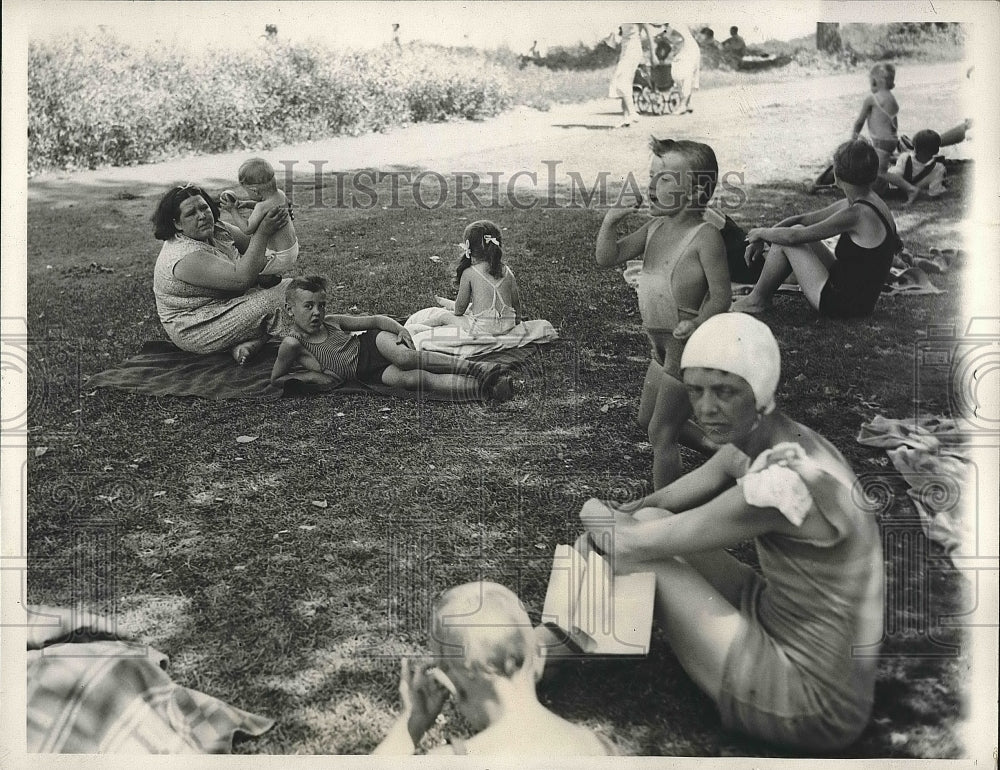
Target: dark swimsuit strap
x,y
926,170
888,228
890,231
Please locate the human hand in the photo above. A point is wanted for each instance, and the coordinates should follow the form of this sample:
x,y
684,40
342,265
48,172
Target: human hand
x,y
599,519
422,693
273,220
616,214
684,329
788,454
228,200
403,337
754,249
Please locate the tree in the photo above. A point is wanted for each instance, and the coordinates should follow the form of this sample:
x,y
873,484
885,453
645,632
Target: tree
x,y
828,37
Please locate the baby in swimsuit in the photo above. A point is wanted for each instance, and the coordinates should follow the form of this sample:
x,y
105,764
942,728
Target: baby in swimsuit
x,y
684,281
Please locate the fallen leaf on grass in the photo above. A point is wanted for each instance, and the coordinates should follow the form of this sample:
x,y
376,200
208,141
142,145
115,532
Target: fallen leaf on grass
x,y
308,527
239,567
160,493
540,546
435,258
320,503
246,439
605,408
340,414
385,409
40,450
169,421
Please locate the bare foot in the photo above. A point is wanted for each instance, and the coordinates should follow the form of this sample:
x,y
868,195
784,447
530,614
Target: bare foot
x,y
912,195
744,305
247,350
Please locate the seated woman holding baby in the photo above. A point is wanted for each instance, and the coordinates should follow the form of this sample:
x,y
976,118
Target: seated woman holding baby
x,y
787,655
205,276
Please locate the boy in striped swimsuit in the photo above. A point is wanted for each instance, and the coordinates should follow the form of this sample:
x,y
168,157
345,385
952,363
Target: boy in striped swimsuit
x,y
384,355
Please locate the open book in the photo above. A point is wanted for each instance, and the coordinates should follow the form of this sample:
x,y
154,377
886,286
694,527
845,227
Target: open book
x,y
598,612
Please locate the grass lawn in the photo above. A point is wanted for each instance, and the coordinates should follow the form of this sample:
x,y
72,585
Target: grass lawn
x,y
287,575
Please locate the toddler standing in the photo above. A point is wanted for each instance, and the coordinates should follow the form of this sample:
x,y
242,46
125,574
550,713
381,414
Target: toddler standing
x,y
684,281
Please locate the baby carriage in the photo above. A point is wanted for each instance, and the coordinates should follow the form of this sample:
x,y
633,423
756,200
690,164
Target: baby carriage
x,y
654,90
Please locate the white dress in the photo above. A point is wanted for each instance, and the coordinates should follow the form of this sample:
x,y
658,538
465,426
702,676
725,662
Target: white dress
x,y
628,60
686,66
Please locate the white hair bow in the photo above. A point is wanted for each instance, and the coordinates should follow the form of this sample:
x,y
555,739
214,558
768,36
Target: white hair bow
x,y
491,239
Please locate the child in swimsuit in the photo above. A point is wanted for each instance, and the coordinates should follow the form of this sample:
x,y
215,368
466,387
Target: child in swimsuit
x,y
683,282
487,659
880,111
329,354
846,283
256,176
488,302
921,169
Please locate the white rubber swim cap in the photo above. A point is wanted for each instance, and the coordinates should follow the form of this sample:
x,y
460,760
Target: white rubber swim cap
x,y
739,344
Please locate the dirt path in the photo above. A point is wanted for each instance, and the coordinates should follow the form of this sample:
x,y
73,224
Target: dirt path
x,y
769,131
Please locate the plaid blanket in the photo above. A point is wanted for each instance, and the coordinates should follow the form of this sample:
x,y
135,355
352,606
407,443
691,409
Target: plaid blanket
x,y
161,369
116,697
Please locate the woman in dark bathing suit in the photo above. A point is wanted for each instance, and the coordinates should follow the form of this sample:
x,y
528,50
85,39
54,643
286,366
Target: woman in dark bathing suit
x,y
847,282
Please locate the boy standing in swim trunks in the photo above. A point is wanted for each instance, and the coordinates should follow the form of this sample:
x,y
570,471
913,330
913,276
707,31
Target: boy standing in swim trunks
x,y
324,347
683,282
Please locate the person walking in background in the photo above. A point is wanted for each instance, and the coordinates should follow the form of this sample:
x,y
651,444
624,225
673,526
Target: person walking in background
x,y
395,37
629,57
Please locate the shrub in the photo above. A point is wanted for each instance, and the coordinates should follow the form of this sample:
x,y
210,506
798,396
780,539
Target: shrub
x,y
94,100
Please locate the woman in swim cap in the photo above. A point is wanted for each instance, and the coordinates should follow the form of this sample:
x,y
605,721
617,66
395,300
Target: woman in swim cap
x,y
788,656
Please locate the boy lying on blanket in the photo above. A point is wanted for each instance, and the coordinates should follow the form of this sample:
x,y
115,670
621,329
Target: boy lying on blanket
x,y
383,355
